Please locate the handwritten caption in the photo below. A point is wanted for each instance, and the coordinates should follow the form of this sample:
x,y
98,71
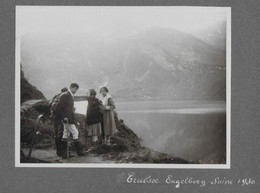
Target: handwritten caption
x,y
132,178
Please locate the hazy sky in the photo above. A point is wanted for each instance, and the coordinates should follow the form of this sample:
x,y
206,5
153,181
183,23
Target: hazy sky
x,y
103,20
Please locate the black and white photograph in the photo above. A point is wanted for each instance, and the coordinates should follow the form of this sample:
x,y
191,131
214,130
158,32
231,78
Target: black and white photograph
x,y
123,86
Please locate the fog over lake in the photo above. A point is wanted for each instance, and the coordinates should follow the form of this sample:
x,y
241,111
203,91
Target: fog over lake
x,y
193,130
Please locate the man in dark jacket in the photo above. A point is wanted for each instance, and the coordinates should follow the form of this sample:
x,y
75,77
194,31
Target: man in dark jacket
x,y
65,112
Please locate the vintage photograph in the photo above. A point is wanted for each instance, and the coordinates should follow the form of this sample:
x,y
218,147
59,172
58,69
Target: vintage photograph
x,y
123,86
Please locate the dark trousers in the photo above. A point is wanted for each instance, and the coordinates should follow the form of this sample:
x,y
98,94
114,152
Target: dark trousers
x,y
58,129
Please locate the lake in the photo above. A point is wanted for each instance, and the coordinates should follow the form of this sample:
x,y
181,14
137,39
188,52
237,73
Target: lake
x,y
193,130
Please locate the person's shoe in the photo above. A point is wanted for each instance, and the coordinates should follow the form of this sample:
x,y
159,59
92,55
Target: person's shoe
x,y
64,155
79,149
58,152
70,156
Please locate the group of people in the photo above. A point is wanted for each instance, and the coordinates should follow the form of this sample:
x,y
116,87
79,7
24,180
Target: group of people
x,y
100,121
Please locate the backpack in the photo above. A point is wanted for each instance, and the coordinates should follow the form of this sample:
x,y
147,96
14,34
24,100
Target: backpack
x,y
54,103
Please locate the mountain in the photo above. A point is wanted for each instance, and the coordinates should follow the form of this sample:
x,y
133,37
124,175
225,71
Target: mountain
x,y
214,35
29,91
154,64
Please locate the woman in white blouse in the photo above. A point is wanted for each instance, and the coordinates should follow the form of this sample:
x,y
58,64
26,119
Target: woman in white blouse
x,y
108,115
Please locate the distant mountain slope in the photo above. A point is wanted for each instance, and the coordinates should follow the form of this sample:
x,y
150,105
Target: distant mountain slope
x,y
214,35
154,64
28,91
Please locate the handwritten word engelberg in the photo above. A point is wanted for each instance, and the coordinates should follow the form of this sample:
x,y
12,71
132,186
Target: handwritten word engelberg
x,y
188,180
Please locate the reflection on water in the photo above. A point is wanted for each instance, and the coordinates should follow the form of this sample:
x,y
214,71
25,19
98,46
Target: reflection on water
x,y
193,130
180,111
81,107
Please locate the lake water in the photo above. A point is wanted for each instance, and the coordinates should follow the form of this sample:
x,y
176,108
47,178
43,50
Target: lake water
x,y
193,130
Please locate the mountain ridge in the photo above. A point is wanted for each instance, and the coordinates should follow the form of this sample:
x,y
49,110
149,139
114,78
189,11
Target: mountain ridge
x,y
139,67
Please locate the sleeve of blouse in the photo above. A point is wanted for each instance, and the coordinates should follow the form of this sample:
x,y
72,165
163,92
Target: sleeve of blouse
x,y
111,103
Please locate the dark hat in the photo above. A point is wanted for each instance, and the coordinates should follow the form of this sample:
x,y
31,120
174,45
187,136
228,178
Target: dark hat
x,y
65,89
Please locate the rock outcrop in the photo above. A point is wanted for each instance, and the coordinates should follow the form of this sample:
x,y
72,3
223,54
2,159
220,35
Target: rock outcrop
x,y
29,91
